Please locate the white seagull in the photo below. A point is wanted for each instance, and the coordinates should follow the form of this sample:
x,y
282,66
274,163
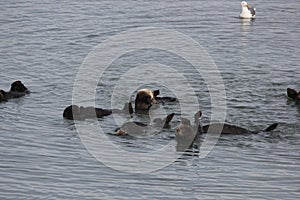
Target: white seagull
x,y
247,11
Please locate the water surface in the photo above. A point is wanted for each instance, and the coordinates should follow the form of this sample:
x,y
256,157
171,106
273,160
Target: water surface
x,y
44,43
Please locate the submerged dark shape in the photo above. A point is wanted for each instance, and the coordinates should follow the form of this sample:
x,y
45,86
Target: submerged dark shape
x,y
74,112
140,129
293,94
17,89
145,98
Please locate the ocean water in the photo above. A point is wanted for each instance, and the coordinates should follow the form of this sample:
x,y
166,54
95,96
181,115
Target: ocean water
x,y
45,43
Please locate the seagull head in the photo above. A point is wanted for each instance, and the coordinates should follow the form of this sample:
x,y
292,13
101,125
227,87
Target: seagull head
x,y
244,4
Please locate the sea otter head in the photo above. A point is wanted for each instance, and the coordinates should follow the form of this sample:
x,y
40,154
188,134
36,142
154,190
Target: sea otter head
x,y
145,98
19,87
72,112
292,93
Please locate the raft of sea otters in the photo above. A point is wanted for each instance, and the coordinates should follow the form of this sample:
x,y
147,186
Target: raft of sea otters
x,y
186,132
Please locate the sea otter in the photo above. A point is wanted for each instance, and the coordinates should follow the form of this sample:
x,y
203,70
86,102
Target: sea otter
x,y
74,112
293,94
187,134
17,89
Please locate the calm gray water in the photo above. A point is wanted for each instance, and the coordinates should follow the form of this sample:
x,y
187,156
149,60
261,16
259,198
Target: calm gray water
x,y
43,44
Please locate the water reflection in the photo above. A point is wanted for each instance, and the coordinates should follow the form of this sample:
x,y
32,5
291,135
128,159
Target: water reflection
x,y
246,25
297,103
245,31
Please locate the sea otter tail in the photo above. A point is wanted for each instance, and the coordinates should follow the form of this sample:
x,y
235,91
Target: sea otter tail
x,y
271,128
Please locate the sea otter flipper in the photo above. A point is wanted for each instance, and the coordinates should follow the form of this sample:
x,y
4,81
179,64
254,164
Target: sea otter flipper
x,y
163,123
271,128
169,118
166,99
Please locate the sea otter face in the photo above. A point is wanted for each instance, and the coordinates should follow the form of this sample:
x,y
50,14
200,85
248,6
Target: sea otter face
x,y
18,86
145,98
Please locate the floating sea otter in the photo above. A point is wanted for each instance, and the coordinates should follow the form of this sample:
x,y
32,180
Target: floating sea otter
x,y
74,112
17,90
145,98
293,94
186,134
139,129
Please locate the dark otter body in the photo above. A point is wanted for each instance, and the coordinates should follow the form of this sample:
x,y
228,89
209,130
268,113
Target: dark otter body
x,y
17,89
232,129
81,113
293,94
139,129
